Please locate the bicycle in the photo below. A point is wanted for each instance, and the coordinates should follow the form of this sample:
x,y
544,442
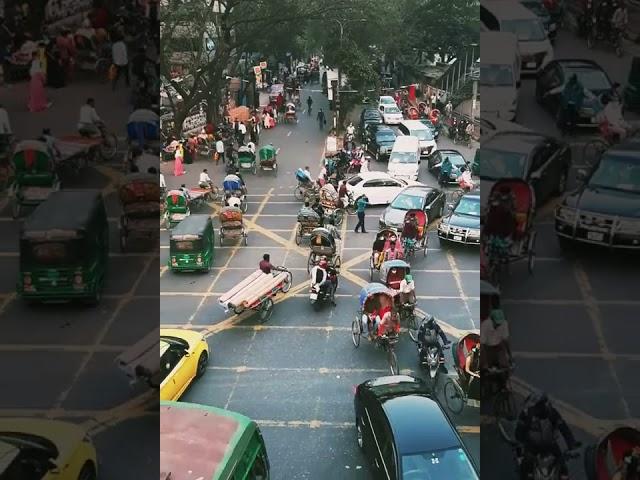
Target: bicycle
x,y
109,145
454,395
497,386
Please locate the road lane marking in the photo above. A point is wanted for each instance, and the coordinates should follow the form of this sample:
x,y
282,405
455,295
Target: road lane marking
x,y
237,380
595,315
461,292
576,355
6,301
124,300
289,133
314,424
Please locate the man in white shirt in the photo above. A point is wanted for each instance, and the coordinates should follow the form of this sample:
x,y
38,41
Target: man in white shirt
x,y
205,180
5,125
90,123
121,61
163,184
407,290
220,150
612,114
242,132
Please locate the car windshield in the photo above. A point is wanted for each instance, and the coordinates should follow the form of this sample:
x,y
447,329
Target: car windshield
x,y
468,206
526,30
407,201
438,465
391,110
403,157
591,79
385,137
496,164
187,245
424,134
353,181
372,115
457,160
53,253
617,172
496,75
387,100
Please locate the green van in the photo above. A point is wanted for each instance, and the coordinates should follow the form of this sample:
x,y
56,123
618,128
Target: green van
x,y
221,445
191,244
64,248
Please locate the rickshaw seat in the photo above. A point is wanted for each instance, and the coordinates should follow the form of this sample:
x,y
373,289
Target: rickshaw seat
x,y
37,179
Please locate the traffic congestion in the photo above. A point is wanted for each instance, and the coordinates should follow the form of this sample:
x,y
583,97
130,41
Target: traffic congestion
x,y
559,166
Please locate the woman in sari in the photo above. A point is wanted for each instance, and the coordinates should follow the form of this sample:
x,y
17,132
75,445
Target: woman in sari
x,y
178,169
37,95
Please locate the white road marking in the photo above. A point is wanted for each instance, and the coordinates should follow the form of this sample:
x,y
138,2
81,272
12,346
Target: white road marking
x,y
289,133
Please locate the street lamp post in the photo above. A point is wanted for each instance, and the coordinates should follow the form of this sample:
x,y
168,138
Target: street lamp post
x,y
337,92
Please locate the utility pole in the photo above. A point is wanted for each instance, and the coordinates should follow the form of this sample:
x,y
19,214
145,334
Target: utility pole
x,y
336,92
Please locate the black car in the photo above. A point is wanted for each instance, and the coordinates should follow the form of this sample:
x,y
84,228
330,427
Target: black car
x,y
404,432
369,116
416,197
462,225
605,209
434,162
379,140
552,79
542,161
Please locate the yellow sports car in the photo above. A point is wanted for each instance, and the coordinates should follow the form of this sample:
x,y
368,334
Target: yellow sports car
x,y
44,449
184,355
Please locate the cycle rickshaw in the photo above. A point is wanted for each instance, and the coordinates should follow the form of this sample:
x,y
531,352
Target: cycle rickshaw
x,y
387,242
605,457
176,208
269,158
247,160
420,241
290,115
308,221
323,244
374,297
139,199
392,272
521,244
456,391
232,186
231,225
330,201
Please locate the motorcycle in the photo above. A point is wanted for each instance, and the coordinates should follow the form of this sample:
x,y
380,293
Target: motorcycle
x,y
319,295
432,358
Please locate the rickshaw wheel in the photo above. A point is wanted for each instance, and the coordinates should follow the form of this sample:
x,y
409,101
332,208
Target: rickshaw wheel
x,y
265,310
298,193
393,361
245,239
338,217
531,261
255,168
412,327
337,263
298,235
453,396
221,238
356,331
15,208
286,286
238,310
425,245
310,262
245,206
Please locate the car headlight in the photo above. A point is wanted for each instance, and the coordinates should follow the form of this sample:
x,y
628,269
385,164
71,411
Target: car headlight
x,y
567,214
473,233
629,226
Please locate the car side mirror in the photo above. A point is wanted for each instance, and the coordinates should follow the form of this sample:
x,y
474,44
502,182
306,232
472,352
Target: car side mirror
x,y
448,209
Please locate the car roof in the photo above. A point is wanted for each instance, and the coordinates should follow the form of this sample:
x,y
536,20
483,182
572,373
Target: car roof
x,y
517,142
414,189
450,151
370,111
384,128
419,424
413,124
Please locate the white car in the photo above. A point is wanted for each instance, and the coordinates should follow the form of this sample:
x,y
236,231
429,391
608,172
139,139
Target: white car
x,y
379,187
391,114
386,100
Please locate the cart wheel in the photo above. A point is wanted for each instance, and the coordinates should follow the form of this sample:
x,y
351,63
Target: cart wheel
x,y
245,239
298,193
425,244
255,168
453,396
238,310
299,235
337,263
15,208
221,238
265,310
393,361
275,169
531,262
338,217
245,206
356,331
310,262
288,282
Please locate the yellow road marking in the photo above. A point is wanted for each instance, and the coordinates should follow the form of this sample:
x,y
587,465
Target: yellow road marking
x,y
595,315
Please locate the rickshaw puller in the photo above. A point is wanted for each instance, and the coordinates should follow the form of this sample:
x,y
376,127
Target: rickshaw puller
x,y
407,291
428,334
472,369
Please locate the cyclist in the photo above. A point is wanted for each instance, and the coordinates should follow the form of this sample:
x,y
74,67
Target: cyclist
x,y
90,122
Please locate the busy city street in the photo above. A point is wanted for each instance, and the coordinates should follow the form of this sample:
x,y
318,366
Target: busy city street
x,y
62,354
571,322
296,373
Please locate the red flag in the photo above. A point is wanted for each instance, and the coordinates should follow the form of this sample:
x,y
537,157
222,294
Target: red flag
x,y
412,93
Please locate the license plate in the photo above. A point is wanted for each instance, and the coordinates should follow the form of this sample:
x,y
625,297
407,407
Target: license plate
x,y
595,236
313,296
457,238
531,64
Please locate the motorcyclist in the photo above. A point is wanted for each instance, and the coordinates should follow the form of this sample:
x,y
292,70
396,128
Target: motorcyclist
x,y
90,122
465,181
612,116
205,180
428,334
326,277
536,431
571,102
446,168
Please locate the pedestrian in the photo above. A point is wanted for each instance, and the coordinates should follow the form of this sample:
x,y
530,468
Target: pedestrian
x,y
219,151
242,133
361,205
67,48
37,95
433,99
178,168
120,61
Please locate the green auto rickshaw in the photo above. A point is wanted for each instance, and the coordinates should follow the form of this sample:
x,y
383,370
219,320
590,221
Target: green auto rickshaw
x,y
35,176
176,208
191,244
269,158
64,248
247,160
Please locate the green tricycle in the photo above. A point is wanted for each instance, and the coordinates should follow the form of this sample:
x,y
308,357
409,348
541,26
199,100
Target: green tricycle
x,y
176,208
247,160
269,158
35,176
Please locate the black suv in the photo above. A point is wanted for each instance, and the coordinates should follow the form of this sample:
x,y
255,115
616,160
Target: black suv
x,y
462,224
604,209
379,140
404,432
369,116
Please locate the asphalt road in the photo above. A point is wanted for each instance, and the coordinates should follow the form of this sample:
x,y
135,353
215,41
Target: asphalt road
x,y
295,374
60,358
573,325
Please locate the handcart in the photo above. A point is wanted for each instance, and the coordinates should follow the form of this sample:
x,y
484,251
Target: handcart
x,y
140,208
256,292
